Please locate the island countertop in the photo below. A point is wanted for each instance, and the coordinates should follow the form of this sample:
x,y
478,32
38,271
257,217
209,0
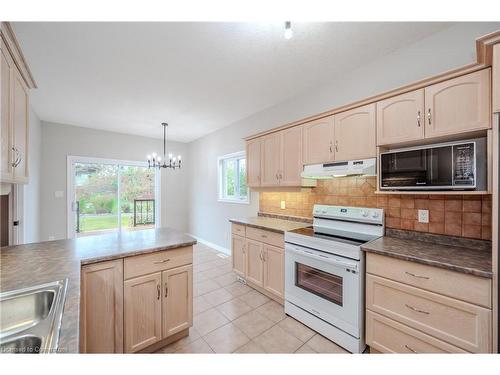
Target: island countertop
x,y
37,263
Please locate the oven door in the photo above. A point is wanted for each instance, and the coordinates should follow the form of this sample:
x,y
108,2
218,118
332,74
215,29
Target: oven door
x,y
328,286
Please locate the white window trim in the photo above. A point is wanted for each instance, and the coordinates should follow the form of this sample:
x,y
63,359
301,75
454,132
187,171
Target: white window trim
x,y
220,182
70,186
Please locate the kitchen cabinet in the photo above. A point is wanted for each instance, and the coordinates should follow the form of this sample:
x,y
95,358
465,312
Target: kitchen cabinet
x,y
177,299
401,118
253,162
254,270
458,105
318,141
291,164
101,308
270,159
354,134
143,315
496,78
14,120
274,270
238,255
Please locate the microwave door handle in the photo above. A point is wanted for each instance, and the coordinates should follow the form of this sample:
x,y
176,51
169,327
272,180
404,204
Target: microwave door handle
x,y
332,261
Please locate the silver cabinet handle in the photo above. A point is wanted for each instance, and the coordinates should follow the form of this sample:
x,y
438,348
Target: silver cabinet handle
x,y
162,261
263,236
410,349
331,147
159,291
418,119
417,276
243,249
337,146
264,255
17,159
429,116
260,256
416,310
166,290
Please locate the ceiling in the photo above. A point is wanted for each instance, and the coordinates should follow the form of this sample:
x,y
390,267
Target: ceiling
x,y
199,77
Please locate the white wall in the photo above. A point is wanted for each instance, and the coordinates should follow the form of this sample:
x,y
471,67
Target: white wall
x,y
31,192
59,141
449,49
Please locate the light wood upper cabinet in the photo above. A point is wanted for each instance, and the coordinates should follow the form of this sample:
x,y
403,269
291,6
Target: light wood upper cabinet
x,y
318,141
458,105
143,317
238,254
496,78
254,270
291,157
101,308
354,133
6,130
401,118
274,270
253,162
270,159
20,125
177,299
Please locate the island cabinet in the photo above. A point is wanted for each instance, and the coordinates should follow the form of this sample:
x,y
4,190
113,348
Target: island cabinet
x,y
416,308
132,304
259,258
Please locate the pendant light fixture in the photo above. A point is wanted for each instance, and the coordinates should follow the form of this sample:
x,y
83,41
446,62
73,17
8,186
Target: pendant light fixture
x,y
288,30
155,161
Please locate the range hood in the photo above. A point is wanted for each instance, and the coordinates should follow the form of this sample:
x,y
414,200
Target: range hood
x,y
364,167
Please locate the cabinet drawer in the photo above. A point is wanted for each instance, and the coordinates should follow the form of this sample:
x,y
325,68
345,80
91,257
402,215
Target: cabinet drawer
x,y
459,323
389,336
469,288
238,229
271,238
155,262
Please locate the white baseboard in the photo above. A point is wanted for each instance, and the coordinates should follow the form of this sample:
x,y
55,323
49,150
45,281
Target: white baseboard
x,y
212,245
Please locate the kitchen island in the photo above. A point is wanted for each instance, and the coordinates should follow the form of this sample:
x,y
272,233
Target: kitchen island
x,y
37,263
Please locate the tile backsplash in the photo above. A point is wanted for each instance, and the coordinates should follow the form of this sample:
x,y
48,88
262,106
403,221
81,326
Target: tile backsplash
x,y
455,215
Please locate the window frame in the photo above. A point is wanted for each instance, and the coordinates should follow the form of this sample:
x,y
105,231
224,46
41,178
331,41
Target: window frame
x,y
221,182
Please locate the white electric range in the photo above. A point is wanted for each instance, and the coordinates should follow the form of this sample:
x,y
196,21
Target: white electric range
x,y
324,272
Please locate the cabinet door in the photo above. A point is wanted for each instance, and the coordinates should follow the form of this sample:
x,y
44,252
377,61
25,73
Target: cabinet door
x,y
253,163
318,141
274,270
458,105
254,271
270,159
496,78
101,316
355,134
6,131
177,299
401,118
142,312
238,254
20,124
291,157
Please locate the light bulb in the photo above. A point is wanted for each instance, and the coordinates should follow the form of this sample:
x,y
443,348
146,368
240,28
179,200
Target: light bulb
x,y
159,158
179,157
149,157
288,30
170,156
154,155
173,159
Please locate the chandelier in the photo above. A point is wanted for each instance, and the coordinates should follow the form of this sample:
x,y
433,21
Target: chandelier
x,y
155,161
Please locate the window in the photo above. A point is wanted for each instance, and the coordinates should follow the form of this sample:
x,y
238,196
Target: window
x,y
233,178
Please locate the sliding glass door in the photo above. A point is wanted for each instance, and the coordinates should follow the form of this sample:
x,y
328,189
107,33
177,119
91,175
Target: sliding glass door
x,y
106,196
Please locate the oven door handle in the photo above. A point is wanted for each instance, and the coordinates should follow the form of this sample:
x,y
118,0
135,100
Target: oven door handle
x,y
332,261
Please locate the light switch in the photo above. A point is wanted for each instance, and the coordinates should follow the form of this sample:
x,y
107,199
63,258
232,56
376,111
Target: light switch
x,y
59,194
423,216
283,205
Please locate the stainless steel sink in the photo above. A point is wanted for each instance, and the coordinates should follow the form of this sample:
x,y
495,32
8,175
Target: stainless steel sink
x,y
30,318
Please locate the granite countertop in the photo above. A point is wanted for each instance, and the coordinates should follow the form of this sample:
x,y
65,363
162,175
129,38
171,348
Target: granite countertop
x,y
474,261
269,223
32,264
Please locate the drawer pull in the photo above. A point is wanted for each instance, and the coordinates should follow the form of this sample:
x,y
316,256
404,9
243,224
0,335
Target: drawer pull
x,y
263,236
417,276
410,349
416,310
162,261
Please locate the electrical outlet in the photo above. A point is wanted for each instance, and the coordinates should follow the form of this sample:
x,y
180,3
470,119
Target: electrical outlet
x,y
283,205
423,216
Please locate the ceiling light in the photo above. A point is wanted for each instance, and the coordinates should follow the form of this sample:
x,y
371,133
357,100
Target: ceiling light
x,y
156,161
288,30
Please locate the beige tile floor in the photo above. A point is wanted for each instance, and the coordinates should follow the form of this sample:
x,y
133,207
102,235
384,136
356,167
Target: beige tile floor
x,y
230,317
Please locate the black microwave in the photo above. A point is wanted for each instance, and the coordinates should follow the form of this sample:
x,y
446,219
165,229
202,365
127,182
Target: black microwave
x,y
445,166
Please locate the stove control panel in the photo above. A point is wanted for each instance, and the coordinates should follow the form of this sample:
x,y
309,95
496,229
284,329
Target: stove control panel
x,y
361,214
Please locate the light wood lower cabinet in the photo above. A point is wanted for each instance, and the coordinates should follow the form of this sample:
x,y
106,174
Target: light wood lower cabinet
x,y
259,258
418,305
101,308
177,300
143,317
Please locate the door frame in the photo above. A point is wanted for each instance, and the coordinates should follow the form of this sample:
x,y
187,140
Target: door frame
x,y
70,186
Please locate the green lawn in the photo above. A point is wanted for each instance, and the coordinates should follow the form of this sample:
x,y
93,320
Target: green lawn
x,y
101,222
